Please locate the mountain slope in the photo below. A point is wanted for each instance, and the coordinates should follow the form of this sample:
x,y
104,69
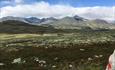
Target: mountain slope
x,y
100,24
13,26
68,23
77,22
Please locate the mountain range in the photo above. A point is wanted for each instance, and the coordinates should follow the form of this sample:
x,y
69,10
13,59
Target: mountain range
x,y
74,22
30,20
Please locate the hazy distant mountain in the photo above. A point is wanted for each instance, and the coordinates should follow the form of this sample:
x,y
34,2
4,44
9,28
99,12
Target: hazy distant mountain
x,y
32,20
13,18
113,22
78,18
47,20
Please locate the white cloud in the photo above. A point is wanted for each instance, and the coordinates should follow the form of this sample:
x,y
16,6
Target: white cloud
x,y
43,9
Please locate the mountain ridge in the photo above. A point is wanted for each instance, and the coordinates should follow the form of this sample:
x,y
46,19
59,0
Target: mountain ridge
x,y
74,22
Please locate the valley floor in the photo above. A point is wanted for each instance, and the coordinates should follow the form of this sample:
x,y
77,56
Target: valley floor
x,y
62,51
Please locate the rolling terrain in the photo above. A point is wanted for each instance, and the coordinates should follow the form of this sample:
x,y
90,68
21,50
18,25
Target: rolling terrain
x,y
69,43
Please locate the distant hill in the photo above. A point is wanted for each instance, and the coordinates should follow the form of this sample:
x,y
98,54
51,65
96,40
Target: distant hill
x,y
14,26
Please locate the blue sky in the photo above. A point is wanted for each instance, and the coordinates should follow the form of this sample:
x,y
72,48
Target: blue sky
x,y
84,2
91,9
78,3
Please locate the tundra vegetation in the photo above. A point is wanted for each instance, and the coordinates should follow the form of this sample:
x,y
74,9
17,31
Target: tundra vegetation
x,y
81,50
